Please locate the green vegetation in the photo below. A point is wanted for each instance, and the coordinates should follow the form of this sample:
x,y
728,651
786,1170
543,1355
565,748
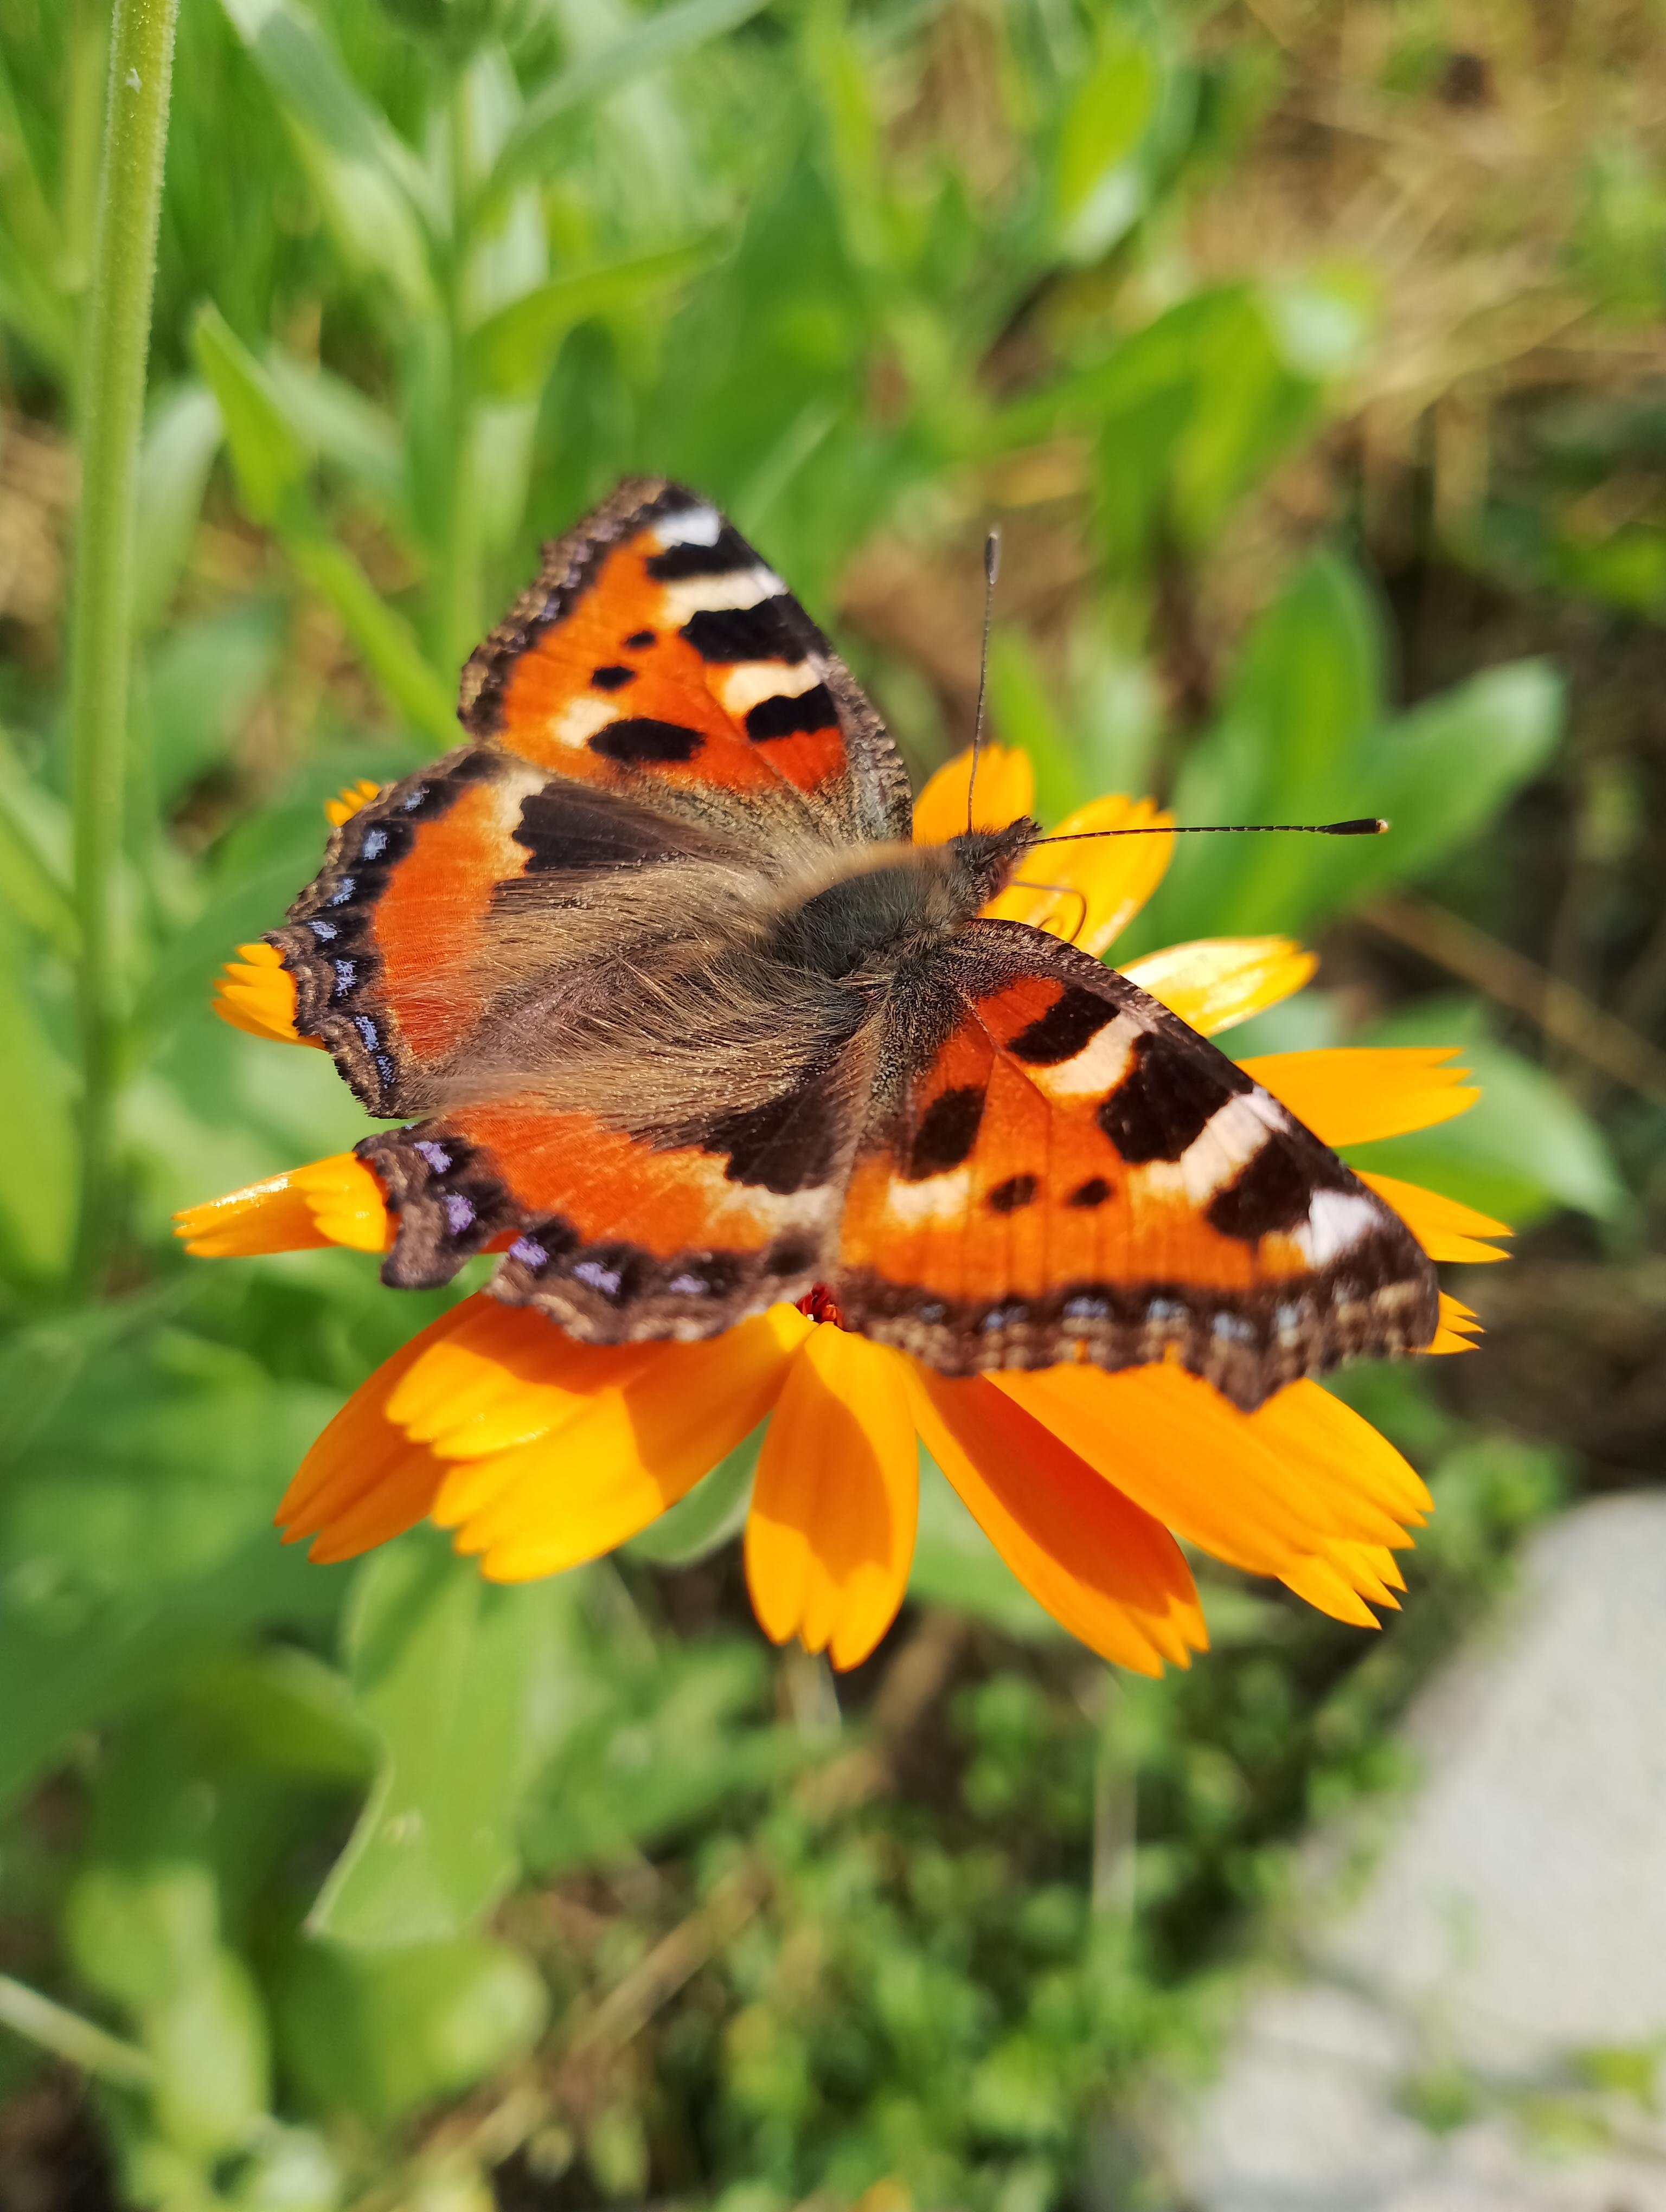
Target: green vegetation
x,y
1305,355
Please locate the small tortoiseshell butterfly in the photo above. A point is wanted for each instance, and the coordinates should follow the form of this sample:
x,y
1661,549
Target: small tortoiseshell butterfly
x,y
683,1023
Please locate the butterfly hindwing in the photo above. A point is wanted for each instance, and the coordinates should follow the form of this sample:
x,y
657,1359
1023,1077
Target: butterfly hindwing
x,y
618,1235
1070,1172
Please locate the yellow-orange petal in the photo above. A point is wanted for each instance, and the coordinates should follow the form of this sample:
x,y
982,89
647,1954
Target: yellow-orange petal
x,y
1308,1427
1350,1095
1326,1587
1105,1569
1104,881
347,801
1216,982
364,1479
1445,1230
333,1201
1006,789
507,1377
830,1537
257,992
1197,1464
633,1449
1458,1326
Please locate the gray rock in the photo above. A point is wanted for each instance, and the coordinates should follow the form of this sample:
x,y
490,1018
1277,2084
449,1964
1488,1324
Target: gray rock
x,y
1515,1919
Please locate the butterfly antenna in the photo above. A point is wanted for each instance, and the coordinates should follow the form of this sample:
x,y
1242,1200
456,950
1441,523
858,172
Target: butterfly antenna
x,y
1367,825
991,570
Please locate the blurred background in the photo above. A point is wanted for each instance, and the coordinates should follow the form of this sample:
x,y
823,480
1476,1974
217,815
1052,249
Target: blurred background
x,y
1310,353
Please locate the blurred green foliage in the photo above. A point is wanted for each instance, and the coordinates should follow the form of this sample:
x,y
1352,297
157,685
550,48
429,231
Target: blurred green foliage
x,y
389,1882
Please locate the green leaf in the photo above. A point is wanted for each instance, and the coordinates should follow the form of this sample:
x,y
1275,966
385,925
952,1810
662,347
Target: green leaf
x,y
180,441
1096,192
34,853
268,456
1023,712
378,2033
373,186
1521,1152
271,459
197,688
652,1738
713,1513
37,1161
338,423
446,1669
510,353
661,37
208,2037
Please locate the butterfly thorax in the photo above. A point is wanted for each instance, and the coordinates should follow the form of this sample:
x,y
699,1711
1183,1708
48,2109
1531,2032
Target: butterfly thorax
x,y
901,902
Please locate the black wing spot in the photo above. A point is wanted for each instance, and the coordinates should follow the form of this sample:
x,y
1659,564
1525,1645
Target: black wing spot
x,y
640,639
612,678
1007,1197
765,632
564,826
946,1133
1094,1192
1272,1192
1167,1099
789,1144
1074,1018
678,562
639,740
785,718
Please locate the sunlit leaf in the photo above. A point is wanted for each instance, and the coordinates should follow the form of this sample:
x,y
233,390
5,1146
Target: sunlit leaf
x,y
445,1667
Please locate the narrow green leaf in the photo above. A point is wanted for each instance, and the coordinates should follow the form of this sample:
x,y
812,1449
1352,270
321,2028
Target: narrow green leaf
x,y
270,458
510,353
34,853
675,30
1022,711
1097,190
268,455
374,188
180,441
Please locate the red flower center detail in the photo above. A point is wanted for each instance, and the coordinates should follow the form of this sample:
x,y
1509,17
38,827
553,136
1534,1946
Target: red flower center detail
x,y
817,1303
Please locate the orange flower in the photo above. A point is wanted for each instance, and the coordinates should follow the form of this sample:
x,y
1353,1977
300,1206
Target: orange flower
x,y
540,1452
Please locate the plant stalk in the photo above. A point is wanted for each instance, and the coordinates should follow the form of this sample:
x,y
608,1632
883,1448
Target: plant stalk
x,y
116,345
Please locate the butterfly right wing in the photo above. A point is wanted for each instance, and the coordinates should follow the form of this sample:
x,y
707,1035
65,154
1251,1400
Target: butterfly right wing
x,y
1064,1170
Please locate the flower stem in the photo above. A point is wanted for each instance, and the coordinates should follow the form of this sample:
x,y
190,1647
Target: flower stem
x,y
116,341
54,2028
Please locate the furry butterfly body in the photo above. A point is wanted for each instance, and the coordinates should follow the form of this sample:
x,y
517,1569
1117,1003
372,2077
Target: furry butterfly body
x,y
688,1024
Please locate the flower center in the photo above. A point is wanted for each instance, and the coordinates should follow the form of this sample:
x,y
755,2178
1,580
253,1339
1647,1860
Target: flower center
x,y
817,1303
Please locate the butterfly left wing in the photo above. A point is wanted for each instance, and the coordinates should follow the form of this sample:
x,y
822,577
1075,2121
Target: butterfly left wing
x,y
1066,1171
656,714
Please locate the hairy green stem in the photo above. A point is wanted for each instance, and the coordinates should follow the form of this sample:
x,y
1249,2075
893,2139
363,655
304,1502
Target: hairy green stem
x,y
457,596
117,341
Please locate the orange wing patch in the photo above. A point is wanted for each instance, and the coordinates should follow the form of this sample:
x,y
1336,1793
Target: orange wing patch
x,y
613,1236
1078,1175
385,947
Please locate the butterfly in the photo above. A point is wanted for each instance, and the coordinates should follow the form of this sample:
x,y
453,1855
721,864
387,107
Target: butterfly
x,y
680,1022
